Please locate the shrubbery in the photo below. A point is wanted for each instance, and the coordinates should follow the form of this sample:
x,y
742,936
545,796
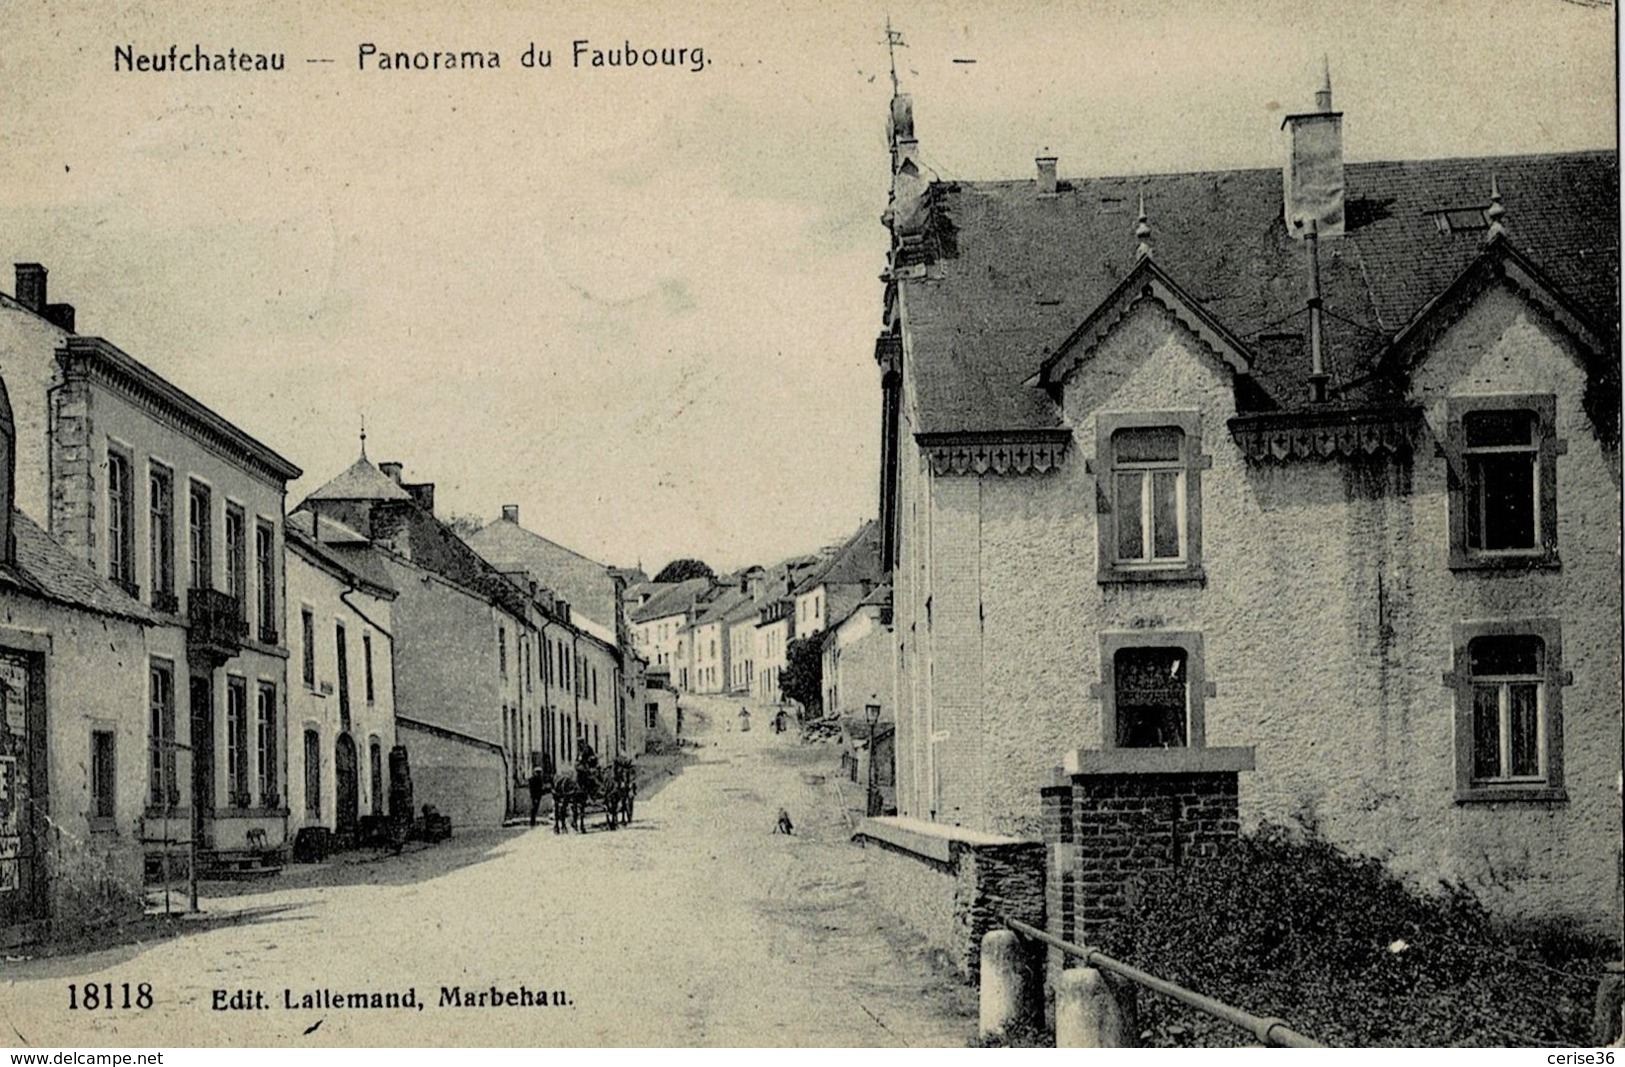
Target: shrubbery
x,y
87,892
1286,924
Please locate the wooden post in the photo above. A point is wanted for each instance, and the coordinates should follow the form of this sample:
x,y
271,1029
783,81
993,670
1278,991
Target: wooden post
x,y
1086,1013
1006,981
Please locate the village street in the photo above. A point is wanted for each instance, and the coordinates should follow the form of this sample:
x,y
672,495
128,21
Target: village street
x,y
695,926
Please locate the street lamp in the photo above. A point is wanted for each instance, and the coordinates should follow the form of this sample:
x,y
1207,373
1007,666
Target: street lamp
x,y
871,712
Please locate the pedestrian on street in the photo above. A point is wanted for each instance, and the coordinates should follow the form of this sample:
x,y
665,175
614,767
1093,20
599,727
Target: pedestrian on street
x,y
538,787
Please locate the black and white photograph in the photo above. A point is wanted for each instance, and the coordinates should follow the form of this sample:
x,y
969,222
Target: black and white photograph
x,y
557,525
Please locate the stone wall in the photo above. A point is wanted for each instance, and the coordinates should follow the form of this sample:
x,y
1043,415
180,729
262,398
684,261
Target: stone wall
x,y
952,885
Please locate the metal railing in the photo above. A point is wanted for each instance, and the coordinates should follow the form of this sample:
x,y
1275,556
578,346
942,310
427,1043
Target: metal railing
x,y
1269,1030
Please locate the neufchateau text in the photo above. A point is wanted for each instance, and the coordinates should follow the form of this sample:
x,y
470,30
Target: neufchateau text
x,y
583,54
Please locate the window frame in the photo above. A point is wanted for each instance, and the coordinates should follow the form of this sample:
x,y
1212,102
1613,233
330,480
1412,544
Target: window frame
x,y
199,536
267,783
161,536
1197,688
265,557
163,779
313,772
121,502
239,794
307,653
1549,446
236,553
1553,679
103,778
1105,467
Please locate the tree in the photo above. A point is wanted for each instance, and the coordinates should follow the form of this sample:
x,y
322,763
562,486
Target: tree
x,y
803,678
465,526
681,570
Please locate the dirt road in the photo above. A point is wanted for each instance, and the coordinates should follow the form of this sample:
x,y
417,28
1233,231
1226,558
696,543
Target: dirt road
x,y
695,926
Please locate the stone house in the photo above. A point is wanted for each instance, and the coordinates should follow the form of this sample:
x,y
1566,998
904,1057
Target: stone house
x,y
1309,477
183,511
463,637
709,639
835,586
586,623
659,624
740,626
77,772
857,659
341,693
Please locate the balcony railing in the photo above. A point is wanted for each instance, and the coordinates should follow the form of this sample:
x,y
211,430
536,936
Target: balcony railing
x,y
215,623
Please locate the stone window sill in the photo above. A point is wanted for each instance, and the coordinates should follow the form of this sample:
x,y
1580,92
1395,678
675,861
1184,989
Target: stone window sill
x,y
1159,760
1494,794
1131,576
1534,562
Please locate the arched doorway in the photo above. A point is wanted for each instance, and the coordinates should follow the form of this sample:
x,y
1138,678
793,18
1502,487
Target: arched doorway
x,y
346,786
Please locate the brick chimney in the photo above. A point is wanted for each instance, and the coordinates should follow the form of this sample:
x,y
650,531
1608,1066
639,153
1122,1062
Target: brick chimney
x,y
510,513
392,471
1313,178
1046,175
31,287
422,494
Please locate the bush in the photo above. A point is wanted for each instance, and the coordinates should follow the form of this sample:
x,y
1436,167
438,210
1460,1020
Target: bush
x,y
86,891
1284,923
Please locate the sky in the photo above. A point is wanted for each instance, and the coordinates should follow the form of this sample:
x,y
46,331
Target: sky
x,y
640,303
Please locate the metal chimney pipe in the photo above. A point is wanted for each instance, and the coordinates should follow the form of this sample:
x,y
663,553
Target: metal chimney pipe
x,y
1317,365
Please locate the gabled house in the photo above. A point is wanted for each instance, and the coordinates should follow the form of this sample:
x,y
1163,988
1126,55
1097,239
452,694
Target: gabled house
x,y
836,586
463,640
660,625
341,710
1308,476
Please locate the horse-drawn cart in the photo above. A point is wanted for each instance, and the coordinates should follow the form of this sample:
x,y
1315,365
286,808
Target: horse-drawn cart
x,y
611,790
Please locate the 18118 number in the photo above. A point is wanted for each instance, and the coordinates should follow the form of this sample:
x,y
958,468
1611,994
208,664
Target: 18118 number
x,y
109,995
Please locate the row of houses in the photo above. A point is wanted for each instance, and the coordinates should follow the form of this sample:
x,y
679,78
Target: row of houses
x,y
186,659
1308,477
731,635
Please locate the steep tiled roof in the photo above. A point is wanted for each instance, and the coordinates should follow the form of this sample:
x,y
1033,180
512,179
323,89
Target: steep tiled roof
x,y
1017,273
675,597
724,605
332,555
47,570
587,584
361,481
856,561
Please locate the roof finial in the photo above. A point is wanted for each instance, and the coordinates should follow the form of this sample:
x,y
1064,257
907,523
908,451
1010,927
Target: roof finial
x,y
1494,211
363,437
1323,95
1142,231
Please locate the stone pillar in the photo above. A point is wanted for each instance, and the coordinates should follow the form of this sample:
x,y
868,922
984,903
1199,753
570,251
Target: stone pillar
x,y
1086,1014
1008,982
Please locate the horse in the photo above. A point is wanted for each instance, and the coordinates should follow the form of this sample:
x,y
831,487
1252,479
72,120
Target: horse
x,y
569,805
620,788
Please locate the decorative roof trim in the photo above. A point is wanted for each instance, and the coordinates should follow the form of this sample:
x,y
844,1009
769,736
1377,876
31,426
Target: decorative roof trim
x,y
1362,433
1001,452
96,359
1499,261
1146,281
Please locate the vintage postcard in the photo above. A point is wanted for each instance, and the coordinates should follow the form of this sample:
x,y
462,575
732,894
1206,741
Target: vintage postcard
x,y
549,524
